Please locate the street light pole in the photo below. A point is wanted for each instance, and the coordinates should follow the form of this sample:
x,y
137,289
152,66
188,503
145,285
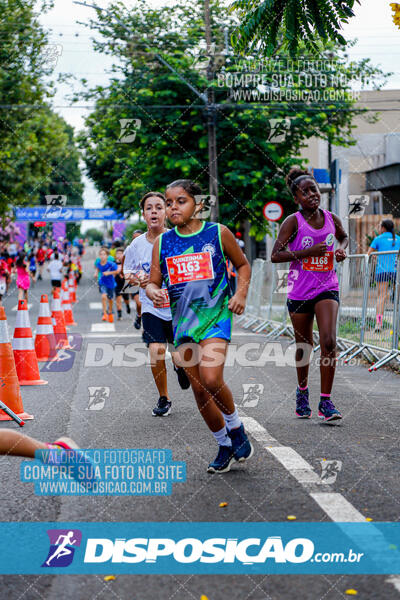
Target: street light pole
x,y
211,113
208,98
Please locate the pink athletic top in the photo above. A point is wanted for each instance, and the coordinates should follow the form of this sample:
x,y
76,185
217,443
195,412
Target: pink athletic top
x,y
304,284
23,280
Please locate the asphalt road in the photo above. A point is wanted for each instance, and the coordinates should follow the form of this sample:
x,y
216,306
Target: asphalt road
x,y
365,448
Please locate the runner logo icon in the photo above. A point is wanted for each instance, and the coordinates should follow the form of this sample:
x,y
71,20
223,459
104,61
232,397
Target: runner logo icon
x,y
62,547
307,242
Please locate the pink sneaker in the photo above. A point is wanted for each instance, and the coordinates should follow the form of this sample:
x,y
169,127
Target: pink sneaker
x,y
64,443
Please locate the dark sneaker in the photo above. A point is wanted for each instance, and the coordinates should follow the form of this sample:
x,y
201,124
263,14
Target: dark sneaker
x,y
242,448
327,410
183,379
163,408
137,322
303,410
222,464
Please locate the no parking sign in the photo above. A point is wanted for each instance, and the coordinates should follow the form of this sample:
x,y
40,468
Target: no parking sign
x,y
273,211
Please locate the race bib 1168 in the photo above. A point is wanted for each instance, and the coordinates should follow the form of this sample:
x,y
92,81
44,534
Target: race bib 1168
x,y
189,267
319,263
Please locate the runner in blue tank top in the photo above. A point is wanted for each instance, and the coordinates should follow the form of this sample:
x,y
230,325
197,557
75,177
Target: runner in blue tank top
x,y
191,259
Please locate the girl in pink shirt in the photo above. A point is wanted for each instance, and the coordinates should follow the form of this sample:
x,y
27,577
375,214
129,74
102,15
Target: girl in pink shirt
x,y
307,239
23,278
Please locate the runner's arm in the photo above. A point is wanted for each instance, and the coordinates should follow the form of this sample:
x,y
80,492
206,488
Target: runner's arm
x,y
153,289
341,237
287,233
130,266
234,253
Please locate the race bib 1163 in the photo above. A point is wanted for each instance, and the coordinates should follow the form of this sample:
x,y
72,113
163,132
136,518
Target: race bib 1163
x,y
189,267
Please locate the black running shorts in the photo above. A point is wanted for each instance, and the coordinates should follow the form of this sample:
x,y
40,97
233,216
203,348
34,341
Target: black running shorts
x,y
308,306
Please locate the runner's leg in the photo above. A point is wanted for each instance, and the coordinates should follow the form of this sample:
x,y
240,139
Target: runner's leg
x,y
382,288
104,303
118,302
158,367
303,330
326,312
17,444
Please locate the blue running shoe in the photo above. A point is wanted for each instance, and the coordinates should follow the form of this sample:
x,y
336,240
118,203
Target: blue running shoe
x,y
327,410
303,410
222,464
242,448
163,408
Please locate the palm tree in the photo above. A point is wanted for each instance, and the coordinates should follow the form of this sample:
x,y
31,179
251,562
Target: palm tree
x,y
267,24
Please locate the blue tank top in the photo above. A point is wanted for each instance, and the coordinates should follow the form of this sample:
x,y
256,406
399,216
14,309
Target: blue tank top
x,y
194,269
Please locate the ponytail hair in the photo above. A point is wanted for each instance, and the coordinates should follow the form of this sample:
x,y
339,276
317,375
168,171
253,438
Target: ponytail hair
x,y
389,226
294,177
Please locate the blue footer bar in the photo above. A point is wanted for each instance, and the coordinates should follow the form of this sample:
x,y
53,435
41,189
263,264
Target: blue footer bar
x,y
201,548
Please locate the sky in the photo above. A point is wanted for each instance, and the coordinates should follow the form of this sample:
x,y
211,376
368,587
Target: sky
x,y
378,39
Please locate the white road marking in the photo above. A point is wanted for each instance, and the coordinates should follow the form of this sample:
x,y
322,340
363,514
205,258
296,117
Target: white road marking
x,y
394,580
106,327
334,505
95,305
337,507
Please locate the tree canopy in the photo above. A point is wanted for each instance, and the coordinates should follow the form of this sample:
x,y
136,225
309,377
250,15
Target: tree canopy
x,y
269,25
148,128
37,147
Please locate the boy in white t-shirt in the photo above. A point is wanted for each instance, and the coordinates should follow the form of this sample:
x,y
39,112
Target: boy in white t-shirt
x,y
55,268
157,322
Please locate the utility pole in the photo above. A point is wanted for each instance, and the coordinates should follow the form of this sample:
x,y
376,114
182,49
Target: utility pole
x,y
208,98
211,113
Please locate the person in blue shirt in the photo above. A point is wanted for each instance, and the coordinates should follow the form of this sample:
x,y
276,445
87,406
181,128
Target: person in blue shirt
x,y
32,267
385,271
106,269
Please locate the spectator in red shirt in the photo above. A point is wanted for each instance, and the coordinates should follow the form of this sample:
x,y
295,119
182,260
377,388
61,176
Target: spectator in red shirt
x,y
40,257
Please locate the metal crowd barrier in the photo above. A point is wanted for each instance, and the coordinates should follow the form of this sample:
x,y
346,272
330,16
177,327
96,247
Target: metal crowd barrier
x,y
365,292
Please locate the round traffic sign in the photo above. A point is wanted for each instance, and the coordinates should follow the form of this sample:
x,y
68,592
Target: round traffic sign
x,y
272,211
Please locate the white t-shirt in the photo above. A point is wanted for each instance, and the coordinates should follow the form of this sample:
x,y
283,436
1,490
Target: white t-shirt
x,y
138,257
55,267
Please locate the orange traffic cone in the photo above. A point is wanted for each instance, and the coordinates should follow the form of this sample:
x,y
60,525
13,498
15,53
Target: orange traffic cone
x,y
57,316
65,304
72,288
45,341
25,357
10,393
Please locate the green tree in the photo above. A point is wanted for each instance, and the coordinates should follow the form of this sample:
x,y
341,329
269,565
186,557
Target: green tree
x,y
267,25
37,147
168,134
94,235
65,177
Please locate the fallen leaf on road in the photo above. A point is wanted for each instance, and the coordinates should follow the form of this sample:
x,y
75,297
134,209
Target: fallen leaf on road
x,y
368,519
351,592
291,518
109,578
223,504
203,597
